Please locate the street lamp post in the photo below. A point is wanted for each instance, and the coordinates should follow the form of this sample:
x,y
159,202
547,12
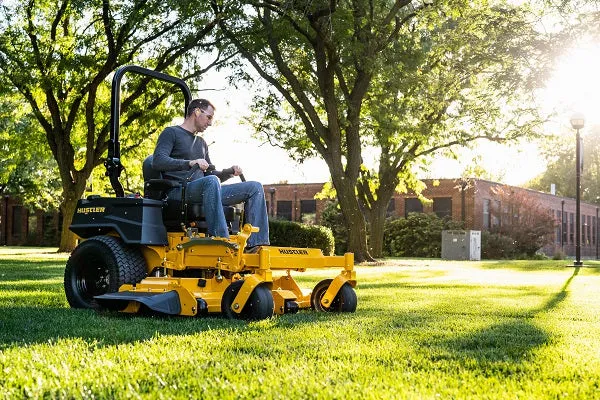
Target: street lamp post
x,y
562,225
578,122
596,233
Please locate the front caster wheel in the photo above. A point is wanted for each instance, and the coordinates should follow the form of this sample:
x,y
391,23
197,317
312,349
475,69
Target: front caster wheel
x,y
344,301
259,305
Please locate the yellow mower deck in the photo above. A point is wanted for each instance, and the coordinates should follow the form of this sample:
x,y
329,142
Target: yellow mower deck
x,y
221,262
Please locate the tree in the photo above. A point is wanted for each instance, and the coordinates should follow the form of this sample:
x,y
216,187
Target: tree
x,y
320,58
27,168
402,77
417,235
522,218
59,56
458,74
560,154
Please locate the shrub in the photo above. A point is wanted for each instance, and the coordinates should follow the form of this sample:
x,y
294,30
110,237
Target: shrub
x,y
293,234
559,254
418,235
524,219
333,219
497,245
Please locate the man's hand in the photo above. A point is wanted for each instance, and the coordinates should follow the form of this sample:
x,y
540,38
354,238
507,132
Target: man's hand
x,y
202,163
237,171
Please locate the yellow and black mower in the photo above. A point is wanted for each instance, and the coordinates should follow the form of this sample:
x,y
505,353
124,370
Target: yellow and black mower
x,y
152,253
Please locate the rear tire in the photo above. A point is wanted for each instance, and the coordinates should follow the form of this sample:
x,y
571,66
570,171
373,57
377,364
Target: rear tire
x,y
259,305
101,265
344,301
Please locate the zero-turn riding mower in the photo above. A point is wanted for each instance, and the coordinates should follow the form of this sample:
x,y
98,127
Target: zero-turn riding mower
x,y
151,253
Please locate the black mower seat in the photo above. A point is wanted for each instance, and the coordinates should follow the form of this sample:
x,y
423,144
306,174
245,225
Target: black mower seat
x,y
170,191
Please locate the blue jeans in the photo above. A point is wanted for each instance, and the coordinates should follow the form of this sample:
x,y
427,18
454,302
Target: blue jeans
x,y
214,197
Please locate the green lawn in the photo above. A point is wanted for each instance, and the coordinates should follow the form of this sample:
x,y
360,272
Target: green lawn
x,y
423,329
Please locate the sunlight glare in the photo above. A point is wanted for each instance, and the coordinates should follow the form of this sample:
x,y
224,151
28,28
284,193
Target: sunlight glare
x,y
575,83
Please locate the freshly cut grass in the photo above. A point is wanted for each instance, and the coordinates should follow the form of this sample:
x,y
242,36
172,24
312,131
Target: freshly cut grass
x,y
423,329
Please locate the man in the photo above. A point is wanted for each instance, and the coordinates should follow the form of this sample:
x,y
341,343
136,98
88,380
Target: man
x,y
179,149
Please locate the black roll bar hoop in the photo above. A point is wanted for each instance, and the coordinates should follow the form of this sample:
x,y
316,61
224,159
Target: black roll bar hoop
x,y
113,160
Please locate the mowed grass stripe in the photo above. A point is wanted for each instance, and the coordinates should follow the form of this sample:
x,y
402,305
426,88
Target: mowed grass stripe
x,y
423,329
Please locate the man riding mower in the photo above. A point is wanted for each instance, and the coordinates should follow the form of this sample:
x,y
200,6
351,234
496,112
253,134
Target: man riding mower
x,y
152,253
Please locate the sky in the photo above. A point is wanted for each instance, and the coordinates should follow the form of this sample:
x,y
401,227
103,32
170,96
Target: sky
x,y
573,87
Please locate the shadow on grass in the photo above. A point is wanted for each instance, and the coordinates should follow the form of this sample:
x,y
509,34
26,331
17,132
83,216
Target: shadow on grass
x,y
512,341
31,325
591,267
560,296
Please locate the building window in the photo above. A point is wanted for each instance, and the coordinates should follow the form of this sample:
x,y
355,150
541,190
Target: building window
x,y
564,228
496,214
391,209
308,211
442,206
571,228
32,227
412,205
558,227
284,209
588,230
486,213
17,223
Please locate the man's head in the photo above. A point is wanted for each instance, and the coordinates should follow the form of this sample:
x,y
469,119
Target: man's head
x,y
200,113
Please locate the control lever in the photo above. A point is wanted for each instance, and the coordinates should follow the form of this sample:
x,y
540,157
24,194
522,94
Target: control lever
x,y
228,171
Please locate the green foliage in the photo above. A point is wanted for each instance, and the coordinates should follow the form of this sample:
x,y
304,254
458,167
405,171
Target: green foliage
x,y
293,234
559,152
27,169
403,79
559,254
497,246
418,235
481,329
523,219
332,218
58,58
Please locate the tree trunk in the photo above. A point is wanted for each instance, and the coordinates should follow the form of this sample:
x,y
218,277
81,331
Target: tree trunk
x,y
355,221
68,238
377,223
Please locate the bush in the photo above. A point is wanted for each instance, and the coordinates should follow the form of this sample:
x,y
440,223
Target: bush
x,y
333,219
497,245
559,254
523,219
418,235
293,234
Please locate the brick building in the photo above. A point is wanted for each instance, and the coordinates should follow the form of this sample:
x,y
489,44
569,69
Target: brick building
x,y
472,201
21,226
294,202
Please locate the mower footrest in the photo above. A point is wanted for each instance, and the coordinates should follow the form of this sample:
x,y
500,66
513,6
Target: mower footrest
x,y
164,302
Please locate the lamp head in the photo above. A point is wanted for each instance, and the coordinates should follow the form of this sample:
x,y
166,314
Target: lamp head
x,y
577,121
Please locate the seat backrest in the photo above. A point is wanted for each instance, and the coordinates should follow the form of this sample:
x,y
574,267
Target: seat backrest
x,y
155,187
148,171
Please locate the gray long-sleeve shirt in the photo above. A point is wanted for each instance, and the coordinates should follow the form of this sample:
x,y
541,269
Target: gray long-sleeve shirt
x,y
175,148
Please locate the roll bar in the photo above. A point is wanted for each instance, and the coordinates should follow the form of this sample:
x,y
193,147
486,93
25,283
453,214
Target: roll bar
x,y
113,160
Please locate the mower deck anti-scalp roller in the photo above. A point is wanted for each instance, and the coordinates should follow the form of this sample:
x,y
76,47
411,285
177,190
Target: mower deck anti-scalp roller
x,y
151,253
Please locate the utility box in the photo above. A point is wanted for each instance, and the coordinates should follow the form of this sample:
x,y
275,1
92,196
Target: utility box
x,y
461,245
